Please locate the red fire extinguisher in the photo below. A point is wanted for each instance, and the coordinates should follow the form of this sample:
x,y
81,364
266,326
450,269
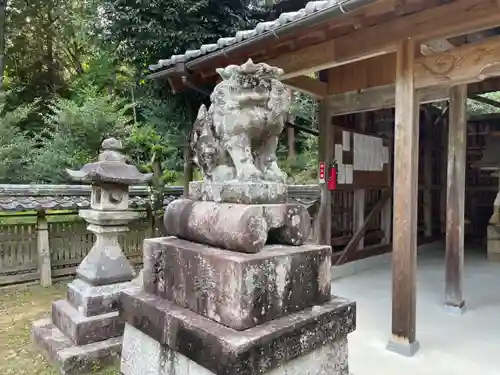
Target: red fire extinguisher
x,y
332,177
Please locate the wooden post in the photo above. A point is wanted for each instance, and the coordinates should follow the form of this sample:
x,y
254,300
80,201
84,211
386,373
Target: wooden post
x,y
455,198
359,194
325,154
404,250
386,216
43,248
427,201
444,166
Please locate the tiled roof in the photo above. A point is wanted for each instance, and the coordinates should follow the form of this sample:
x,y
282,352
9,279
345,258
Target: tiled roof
x,y
45,203
311,8
19,198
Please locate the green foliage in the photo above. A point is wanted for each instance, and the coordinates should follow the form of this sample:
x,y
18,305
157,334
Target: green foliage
x,y
74,134
148,30
303,170
477,108
158,135
15,147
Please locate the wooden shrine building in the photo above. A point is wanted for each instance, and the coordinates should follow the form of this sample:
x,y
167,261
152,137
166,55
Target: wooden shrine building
x,y
372,56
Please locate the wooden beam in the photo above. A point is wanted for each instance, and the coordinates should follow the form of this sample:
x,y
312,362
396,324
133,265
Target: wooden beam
x,y
361,230
451,19
468,63
404,250
381,97
482,99
325,154
363,74
454,300
308,85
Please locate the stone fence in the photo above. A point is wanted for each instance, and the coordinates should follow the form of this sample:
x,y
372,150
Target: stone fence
x,y
34,218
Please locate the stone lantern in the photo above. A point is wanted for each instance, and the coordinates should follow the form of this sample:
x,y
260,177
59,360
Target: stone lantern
x,y
490,161
85,329
110,178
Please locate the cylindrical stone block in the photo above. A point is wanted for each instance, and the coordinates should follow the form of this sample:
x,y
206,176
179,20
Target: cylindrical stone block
x,y
236,227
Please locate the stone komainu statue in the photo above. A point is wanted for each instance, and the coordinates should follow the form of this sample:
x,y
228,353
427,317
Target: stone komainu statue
x,y
236,138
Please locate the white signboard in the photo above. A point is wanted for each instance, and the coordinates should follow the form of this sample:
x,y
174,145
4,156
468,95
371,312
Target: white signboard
x,y
369,153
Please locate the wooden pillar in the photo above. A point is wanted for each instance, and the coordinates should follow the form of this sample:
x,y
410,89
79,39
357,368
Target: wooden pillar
x,y
404,250
325,154
455,198
444,166
386,215
43,249
359,194
427,201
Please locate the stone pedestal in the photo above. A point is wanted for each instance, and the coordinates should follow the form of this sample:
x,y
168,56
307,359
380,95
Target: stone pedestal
x,y
205,310
84,331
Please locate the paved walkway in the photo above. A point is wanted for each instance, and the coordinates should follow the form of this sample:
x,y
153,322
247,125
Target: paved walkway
x,y
450,345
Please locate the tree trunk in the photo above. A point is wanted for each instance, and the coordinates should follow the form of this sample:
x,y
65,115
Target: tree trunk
x,y
188,153
158,193
291,143
51,84
3,27
188,168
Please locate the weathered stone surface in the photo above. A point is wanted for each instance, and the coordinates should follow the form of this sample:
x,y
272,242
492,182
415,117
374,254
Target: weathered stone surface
x,y
111,168
91,300
71,359
83,330
236,138
105,263
260,192
142,354
237,227
109,218
223,350
236,289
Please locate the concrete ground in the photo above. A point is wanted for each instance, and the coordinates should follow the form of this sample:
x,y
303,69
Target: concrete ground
x,y
449,345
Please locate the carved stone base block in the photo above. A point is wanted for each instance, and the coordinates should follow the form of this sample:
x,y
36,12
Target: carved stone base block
x,y
85,330
69,358
236,289
261,192
403,348
238,227
144,355
161,337
92,300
